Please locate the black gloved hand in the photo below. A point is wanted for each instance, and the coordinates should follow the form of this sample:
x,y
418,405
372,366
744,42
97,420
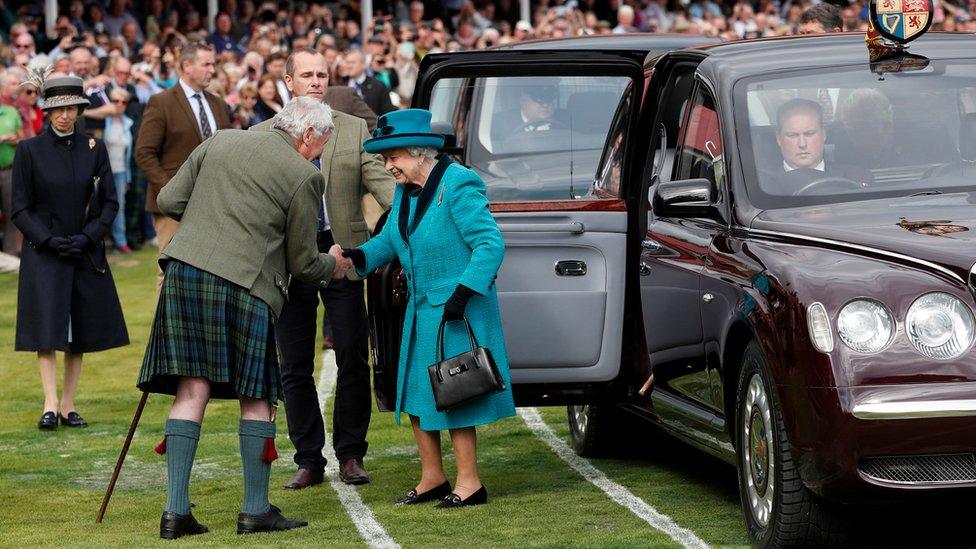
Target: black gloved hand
x,y
68,250
54,243
81,241
454,308
357,256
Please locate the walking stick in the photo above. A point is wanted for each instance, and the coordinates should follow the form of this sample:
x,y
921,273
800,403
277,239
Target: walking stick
x,y
125,450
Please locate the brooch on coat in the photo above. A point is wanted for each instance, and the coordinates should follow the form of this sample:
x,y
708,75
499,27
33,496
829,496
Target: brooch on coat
x,y
440,196
91,143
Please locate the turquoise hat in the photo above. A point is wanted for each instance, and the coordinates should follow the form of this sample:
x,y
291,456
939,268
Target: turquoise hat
x,y
402,129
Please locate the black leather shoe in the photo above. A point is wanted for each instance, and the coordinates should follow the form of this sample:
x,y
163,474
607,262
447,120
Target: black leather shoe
x,y
305,478
272,521
454,500
351,471
173,525
48,422
412,497
73,420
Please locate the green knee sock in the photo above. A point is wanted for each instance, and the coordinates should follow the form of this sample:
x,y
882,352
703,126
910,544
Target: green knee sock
x,y
182,437
257,472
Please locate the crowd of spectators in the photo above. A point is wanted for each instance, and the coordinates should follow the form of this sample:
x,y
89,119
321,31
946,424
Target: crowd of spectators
x,y
128,51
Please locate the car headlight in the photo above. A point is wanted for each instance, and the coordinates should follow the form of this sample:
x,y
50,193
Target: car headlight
x,y
865,325
940,326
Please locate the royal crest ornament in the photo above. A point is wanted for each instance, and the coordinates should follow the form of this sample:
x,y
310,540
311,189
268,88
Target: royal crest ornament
x,y
901,21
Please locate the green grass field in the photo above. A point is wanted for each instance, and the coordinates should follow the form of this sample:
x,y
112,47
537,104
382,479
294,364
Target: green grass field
x,y
51,483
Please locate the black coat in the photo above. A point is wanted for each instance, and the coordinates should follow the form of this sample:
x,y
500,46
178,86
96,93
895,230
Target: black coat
x,y
53,182
377,96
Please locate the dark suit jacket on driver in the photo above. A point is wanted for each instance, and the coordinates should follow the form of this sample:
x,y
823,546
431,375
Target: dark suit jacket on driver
x,y
779,181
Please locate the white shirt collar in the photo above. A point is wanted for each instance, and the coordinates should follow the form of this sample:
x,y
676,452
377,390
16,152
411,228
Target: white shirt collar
x,y
188,90
819,167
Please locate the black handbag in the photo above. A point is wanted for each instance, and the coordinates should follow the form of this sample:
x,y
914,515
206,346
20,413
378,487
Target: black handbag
x,y
465,377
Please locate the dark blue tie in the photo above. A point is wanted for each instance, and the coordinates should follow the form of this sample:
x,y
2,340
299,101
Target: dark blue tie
x,y
318,165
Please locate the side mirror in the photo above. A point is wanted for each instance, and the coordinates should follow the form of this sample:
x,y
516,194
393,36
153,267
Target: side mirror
x,y
685,198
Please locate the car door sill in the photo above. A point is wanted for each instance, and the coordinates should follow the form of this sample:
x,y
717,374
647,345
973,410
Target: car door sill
x,y
697,426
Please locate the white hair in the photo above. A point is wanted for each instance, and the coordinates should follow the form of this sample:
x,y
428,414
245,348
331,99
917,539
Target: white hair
x,y
426,152
302,113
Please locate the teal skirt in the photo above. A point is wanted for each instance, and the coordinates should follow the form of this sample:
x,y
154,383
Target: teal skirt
x,y
208,327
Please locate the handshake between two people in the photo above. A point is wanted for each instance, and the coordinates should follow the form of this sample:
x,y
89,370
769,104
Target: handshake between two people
x,y
346,260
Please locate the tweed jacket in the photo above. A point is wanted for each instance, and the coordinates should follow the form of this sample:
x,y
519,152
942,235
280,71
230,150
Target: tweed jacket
x,y
168,134
350,172
247,204
445,237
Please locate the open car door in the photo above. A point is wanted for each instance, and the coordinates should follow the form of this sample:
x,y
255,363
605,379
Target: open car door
x,y
548,132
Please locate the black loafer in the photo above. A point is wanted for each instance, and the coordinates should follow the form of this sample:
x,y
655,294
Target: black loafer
x,y
412,497
48,422
454,500
272,521
73,420
173,525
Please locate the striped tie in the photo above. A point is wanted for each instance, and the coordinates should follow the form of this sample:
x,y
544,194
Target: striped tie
x,y
205,129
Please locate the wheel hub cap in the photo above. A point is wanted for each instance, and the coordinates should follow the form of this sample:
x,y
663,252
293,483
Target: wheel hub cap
x,y
756,441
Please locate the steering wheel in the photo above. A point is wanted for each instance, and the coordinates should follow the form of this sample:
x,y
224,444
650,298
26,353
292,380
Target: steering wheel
x,y
825,181
553,125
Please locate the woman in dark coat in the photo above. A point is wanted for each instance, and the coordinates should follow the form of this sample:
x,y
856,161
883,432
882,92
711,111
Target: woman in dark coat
x,y
64,203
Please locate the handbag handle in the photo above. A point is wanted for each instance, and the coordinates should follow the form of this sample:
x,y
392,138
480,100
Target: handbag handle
x,y
440,338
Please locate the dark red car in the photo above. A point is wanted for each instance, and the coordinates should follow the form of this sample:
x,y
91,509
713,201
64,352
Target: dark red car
x,y
765,247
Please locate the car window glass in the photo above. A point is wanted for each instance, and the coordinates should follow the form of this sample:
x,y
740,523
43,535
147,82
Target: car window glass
x,y
608,179
700,153
444,101
845,134
542,138
677,93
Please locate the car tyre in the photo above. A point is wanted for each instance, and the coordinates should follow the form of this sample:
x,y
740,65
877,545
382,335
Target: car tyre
x,y
592,428
779,510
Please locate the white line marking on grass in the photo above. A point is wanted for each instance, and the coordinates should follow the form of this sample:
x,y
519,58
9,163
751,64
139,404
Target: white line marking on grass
x,y
362,516
619,494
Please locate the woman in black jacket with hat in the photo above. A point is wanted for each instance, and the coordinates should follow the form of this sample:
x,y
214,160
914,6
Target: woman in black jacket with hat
x,y
64,203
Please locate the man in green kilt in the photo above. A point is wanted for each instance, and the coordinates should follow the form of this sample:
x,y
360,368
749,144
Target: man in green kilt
x,y
247,203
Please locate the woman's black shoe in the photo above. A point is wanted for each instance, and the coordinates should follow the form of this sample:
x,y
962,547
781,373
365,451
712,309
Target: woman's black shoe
x,y
48,422
173,525
454,500
73,420
412,497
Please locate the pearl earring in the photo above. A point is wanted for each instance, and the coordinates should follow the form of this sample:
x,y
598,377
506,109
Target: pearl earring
x,y
421,163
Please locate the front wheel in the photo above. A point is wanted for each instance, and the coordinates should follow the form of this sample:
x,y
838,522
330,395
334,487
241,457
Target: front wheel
x,y
592,428
779,510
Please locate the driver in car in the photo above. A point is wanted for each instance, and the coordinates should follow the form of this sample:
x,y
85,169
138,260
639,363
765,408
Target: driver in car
x,y
801,137
537,112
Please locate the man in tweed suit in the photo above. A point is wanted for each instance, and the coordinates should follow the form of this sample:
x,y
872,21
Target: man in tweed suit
x,y
349,173
174,123
246,202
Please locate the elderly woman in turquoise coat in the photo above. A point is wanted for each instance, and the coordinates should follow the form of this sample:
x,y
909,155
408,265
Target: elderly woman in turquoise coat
x,y
450,248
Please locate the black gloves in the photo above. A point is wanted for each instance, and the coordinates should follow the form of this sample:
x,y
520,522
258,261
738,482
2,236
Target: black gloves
x,y
71,247
54,243
357,256
454,308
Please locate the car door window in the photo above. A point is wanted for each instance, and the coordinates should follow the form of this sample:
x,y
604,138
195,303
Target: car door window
x,y
542,137
700,152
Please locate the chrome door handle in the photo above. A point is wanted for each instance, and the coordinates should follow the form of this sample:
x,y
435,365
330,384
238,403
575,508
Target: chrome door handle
x,y
707,297
651,245
571,268
644,269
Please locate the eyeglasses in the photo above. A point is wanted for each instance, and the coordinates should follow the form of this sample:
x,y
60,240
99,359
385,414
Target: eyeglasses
x,y
248,98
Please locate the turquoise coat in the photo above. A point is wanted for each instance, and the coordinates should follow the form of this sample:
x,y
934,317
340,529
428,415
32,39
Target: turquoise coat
x,y
455,241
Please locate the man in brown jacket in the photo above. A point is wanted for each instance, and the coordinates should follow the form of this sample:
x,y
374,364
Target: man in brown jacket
x,y
175,122
350,174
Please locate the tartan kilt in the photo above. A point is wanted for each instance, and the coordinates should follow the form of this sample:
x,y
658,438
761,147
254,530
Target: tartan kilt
x,y
208,327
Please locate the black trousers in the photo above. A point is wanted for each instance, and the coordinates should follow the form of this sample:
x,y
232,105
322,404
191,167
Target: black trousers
x,y
295,332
